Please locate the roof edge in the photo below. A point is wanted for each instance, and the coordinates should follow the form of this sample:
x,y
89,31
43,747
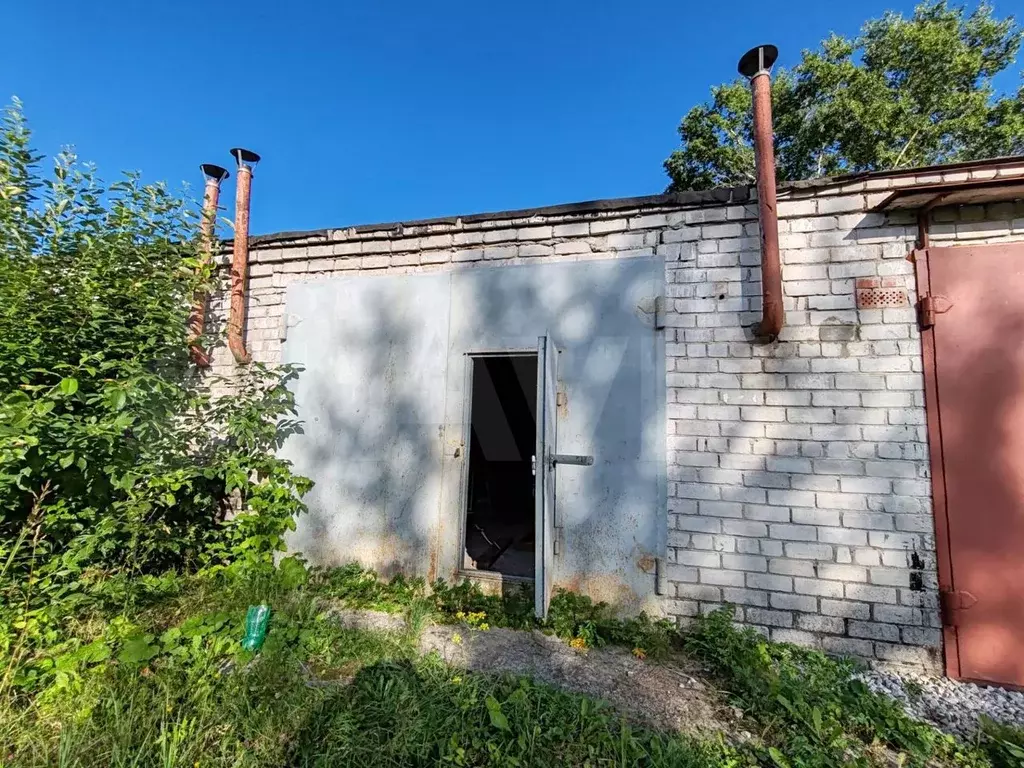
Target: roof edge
x,y
717,196
695,198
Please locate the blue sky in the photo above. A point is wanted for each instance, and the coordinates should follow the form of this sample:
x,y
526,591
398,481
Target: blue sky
x,y
382,111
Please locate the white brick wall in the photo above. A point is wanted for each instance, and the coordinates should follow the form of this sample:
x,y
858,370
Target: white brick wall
x,y
798,470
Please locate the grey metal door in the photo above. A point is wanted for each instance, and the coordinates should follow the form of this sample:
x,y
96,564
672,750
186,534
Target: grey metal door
x,y
544,480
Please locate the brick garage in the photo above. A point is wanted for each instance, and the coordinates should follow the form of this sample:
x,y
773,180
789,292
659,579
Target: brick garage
x,y
798,484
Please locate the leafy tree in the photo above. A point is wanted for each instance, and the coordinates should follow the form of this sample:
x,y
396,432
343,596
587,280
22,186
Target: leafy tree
x,y
116,462
905,92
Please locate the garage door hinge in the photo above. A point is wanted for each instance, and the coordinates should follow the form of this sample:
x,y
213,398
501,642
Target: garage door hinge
x,y
954,602
659,313
928,307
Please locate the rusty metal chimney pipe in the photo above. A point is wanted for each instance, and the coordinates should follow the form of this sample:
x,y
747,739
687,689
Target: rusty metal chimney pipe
x,y
197,319
240,254
756,65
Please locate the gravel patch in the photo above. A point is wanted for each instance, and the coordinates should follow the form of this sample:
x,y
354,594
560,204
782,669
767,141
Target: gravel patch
x,y
672,694
950,705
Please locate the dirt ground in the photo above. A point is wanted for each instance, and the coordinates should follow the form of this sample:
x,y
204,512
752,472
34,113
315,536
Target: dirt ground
x,y
670,694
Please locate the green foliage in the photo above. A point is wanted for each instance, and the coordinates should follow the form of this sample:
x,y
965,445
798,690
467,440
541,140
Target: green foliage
x,y
819,713
905,92
513,610
117,464
571,616
361,588
1004,744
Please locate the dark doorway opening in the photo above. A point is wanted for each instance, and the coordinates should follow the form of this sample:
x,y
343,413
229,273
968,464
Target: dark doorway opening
x,y
503,431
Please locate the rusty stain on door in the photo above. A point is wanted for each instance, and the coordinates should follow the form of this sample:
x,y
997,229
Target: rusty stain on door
x,y
972,319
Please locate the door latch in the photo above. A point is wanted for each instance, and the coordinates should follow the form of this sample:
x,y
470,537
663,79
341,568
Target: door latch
x,y
568,458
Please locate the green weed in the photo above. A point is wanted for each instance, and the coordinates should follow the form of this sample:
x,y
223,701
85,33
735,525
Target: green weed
x,y
1003,744
814,712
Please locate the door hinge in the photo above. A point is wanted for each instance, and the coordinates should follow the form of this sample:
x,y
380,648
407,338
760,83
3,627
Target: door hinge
x,y
287,321
660,576
659,313
953,603
928,307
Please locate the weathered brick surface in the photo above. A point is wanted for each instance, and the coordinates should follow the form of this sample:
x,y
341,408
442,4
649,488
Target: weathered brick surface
x,y
798,472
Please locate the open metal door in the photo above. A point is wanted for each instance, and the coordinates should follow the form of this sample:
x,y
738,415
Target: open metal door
x,y
544,474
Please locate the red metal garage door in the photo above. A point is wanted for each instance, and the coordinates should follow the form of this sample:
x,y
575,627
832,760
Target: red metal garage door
x,y
973,316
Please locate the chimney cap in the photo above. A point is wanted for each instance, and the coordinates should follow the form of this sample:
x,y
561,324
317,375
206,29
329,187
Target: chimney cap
x,y
757,60
245,156
213,171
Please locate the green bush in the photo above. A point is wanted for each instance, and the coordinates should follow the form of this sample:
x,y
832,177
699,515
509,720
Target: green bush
x,y
117,465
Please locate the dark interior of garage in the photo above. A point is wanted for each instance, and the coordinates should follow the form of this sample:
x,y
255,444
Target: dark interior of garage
x,y
500,504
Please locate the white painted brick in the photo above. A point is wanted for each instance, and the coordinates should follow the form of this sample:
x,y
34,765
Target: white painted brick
x,y
921,636
699,592
765,513
720,508
535,249
762,413
745,597
804,603
873,631
846,609
697,523
870,593
865,485
845,646
769,618
801,568
681,574
604,226
745,528
826,624
808,551
572,247
771,582
721,578
795,637
700,559
745,563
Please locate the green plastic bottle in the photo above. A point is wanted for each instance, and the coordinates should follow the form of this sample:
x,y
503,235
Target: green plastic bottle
x,y
257,620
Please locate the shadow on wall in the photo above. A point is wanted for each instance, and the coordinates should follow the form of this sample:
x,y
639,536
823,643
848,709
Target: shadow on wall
x,y
385,364
371,397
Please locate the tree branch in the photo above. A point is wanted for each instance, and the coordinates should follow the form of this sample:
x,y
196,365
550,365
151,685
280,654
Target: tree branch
x,y
903,151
